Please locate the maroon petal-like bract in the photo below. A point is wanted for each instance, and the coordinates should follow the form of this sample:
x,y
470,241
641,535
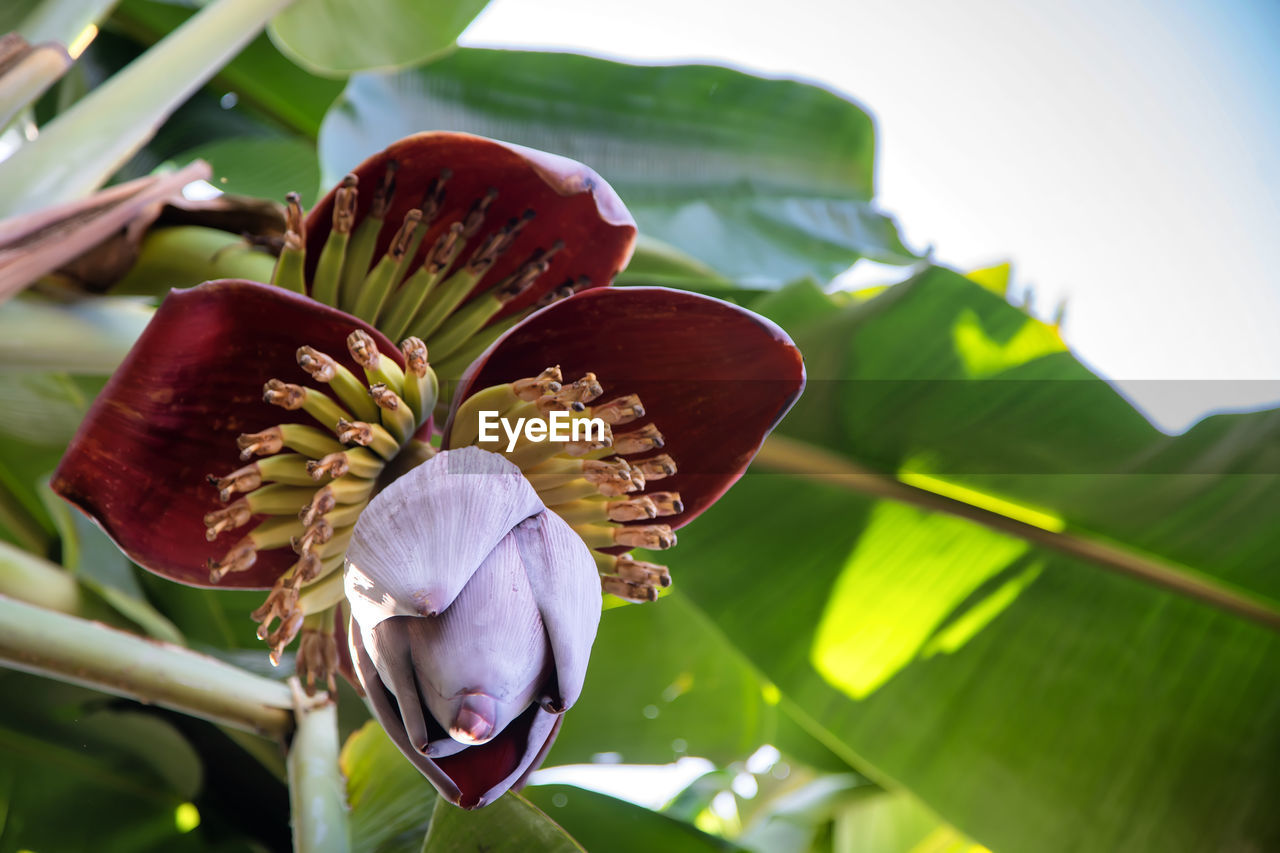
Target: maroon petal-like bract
x,y
171,413
713,377
570,203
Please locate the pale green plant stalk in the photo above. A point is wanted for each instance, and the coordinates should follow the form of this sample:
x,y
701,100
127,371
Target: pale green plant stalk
x,y
317,791
29,578
25,80
80,149
56,645
62,20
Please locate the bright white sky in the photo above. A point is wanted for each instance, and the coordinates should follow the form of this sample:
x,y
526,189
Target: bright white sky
x,y
1122,154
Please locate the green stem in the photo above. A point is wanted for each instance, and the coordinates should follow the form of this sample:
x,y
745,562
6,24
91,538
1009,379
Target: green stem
x,y
64,647
29,578
798,458
317,791
82,147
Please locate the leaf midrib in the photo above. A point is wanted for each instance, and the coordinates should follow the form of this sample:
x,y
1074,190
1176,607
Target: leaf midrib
x,y
802,459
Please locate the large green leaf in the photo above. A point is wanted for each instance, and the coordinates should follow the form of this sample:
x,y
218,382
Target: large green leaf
x,y
338,37
1019,685
659,681
509,825
762,180
602,823
390,800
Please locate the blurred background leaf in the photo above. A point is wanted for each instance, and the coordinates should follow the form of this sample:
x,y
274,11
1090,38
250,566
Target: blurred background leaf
x,y
760,180
338,37
140,779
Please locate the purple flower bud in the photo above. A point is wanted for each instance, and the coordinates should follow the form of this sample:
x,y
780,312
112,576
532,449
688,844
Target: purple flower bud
x,y
473,611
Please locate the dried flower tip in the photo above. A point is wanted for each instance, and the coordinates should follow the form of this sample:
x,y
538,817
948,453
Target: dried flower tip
x,y
404,236
668,503
384,397
639,440
596,471
284,394
582,448
386,189
322,502
241,557
617,488
321,367
628,590
445,247
584,390
433,197
354,432
228,518
281,601
548,403
283,636
295,222
653,537
334,464
564,291
317,659
521,280
415,356
363,349
306,569
492,247
317,534
619,411
656,467
632,509
242,480
344,205
639,571
528,273
546,382
475,216
260,443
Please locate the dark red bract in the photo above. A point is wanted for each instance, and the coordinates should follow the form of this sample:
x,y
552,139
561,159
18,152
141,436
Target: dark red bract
x,y
571,203
715,378
171,413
